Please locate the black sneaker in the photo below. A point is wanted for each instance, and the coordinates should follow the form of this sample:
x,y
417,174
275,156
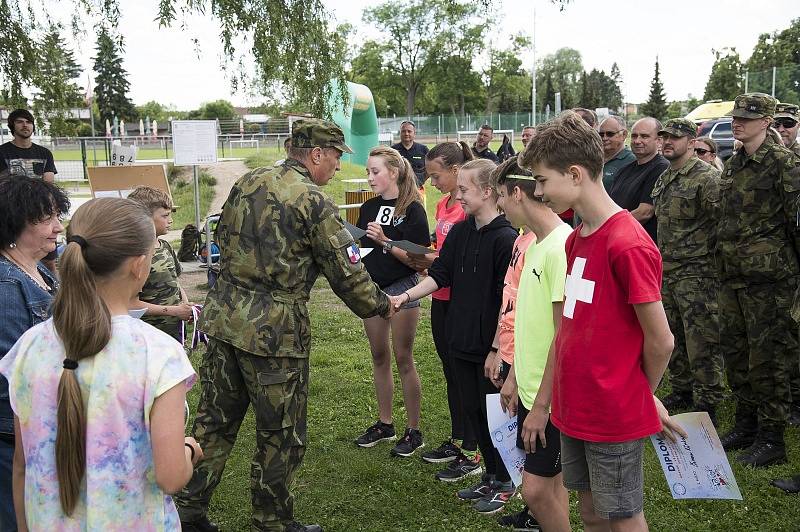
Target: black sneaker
x,y
408,444
789,485
377,433
763,454
459,468
522,521
479,490
794,416
199,525
677,401
294,526
446,452
494,501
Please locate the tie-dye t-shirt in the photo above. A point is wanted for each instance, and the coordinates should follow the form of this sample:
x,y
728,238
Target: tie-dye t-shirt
x,y
119,385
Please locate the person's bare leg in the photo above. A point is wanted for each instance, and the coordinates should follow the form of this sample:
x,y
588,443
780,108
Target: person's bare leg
x,y
404,330
636,523
591,521
377,330
543,495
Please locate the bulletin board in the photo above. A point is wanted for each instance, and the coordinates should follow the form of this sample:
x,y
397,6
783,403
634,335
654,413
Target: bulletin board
x,y
119,181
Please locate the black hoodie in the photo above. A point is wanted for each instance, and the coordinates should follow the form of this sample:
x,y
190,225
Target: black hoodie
x,y
473,263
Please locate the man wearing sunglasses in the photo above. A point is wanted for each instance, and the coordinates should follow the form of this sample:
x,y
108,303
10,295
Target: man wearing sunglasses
x,y
614,131
758,246
786,123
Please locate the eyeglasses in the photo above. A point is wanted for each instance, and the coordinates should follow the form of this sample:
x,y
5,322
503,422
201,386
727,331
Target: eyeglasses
x,y
608,134
787,123
701,151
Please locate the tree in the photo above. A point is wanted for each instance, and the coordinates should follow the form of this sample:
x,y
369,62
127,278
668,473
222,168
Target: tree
x,y
415,34
656,105
508,86
564,69
781,49
219,109
56,91
598,89
725,81
111,80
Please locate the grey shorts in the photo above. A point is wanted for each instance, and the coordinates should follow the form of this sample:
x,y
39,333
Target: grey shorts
x,y
400,286
613,472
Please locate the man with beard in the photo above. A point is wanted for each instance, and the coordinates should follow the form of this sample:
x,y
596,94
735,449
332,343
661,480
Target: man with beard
x,y
20,156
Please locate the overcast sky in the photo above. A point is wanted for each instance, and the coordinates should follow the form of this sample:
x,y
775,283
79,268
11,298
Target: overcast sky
x,y
163,64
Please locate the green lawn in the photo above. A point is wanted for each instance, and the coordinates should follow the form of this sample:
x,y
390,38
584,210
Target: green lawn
x,y
183,198
99,153
346,488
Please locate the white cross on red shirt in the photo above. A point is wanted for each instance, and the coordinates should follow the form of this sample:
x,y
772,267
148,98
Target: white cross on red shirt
x,y
577,288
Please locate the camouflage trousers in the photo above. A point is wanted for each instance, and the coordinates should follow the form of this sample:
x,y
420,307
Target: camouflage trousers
x,y
759,341
794,369
277,387
696,363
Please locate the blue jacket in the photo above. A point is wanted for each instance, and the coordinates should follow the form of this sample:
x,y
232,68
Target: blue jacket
x,y
23,304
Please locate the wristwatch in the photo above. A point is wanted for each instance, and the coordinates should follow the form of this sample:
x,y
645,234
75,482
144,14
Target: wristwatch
x,y
387,246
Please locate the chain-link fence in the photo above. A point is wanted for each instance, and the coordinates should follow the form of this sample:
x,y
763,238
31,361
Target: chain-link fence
x,y
781,82
440,128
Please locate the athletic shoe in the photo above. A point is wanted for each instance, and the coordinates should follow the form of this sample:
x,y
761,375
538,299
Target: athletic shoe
x,y
377,433
199,525
294,526
496,499
789,485
520,522
477,491
763,454
459,468
408,444
446,452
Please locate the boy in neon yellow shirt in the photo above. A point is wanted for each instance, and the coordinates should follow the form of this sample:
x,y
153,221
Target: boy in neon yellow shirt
x,y
528,387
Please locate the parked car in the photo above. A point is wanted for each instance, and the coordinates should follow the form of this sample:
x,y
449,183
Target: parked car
x,y
719,130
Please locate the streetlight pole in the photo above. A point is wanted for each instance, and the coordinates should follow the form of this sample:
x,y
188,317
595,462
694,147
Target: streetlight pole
x,y
533,73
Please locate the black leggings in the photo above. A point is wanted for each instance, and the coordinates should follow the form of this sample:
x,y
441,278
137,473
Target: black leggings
x,y
474,389
460,427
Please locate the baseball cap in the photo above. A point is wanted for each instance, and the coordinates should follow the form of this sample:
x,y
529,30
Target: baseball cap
x,y
317,133
787,110
753,105
679,127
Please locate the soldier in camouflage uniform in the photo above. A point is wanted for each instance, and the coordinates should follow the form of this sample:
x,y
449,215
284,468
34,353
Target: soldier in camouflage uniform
x,y
277,233
787,124
758,243
686,199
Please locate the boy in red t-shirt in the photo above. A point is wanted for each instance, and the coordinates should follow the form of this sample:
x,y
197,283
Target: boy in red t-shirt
x,y
614,341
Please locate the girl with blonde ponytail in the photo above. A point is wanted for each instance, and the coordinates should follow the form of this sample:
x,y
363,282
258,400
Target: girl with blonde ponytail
x,y
394,214
97,395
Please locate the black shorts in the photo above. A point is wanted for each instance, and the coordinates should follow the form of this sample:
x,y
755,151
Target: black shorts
x,y
546,461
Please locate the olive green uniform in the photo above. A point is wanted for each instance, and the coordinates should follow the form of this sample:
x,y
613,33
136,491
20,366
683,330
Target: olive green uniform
x,y
162,288
687,207
277,233
759,267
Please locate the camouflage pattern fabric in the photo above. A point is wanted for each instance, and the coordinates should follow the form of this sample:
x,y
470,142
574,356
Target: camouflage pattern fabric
x,y
759,266
687,207
794,147
686,204
754,105
787,110
277,233
162,288
315,133
696,365
278,388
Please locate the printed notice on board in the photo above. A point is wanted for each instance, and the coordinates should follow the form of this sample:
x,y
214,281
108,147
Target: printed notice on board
x,y
194,141
696,467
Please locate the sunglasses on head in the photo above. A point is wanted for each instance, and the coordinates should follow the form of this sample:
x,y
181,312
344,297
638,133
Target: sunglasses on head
x,y
608,134
701,151
787,123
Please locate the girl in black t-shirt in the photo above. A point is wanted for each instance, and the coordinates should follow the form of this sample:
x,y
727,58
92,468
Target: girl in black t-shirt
x,y
394,214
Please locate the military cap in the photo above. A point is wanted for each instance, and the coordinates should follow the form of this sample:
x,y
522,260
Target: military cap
x,y
754,105
787,110
316,133
679,127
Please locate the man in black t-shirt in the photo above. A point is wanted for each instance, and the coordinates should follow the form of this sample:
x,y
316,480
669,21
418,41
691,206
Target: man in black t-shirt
x,y
414,152
634,183
21,156
481,146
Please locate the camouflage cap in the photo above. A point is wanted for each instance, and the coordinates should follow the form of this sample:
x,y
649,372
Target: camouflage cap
x,y
787,110
316,133
754,105
679,127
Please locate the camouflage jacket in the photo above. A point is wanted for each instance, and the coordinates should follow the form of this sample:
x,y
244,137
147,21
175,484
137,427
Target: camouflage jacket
x,y
686,207
794,147
758,237
277,233
162,288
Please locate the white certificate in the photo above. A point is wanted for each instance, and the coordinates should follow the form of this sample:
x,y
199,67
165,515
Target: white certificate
x,y
503,429
696,467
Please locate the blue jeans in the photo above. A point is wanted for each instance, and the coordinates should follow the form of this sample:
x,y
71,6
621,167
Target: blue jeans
x,y
8,522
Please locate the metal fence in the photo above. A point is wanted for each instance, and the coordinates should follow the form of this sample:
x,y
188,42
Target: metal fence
x,y
446,127
781,82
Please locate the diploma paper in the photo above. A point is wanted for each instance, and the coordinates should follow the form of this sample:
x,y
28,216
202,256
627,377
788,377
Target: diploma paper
x,y
410,247
503,429
355,232
696,467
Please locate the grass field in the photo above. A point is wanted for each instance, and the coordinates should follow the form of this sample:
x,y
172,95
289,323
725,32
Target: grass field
x,y
346,488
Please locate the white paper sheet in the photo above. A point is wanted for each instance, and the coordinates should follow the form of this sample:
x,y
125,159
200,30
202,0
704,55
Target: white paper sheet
x,y
503,429
696,467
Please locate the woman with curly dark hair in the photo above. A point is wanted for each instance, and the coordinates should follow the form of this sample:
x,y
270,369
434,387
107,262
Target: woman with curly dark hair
x,y
30,221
